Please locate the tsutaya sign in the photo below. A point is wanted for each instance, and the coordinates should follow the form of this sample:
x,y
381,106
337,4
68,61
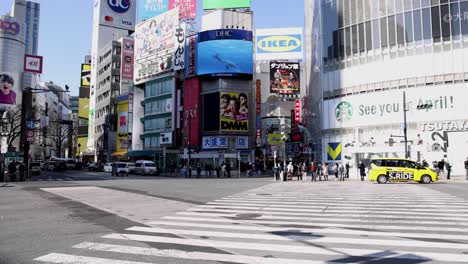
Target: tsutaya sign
x,y
381,108
452,125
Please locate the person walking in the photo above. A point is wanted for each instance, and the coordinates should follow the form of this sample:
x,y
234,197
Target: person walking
x,y
312,170
341,170
223,170
347,170
448,167
228,170
440,166
218,171
198,171
304,171
362,171
12,171
290,170
337,170
276,171
325,171
466,169
22,170
189,171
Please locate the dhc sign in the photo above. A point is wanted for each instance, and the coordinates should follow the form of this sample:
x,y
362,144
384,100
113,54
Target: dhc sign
x,y
279,44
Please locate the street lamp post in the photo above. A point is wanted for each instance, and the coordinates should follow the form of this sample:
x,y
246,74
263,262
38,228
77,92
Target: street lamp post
x,y
405,124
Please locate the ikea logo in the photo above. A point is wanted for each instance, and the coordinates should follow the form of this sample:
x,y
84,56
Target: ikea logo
x,y
280,43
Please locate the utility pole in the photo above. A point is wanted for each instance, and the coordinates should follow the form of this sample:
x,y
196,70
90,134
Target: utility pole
x,y
405,129
190,137
26,113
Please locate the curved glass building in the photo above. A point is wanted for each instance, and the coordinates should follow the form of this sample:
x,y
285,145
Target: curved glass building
x,y
378,66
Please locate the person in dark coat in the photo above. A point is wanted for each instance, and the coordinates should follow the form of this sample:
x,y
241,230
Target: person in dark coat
x,y
362,171
198,171
347,170
448,167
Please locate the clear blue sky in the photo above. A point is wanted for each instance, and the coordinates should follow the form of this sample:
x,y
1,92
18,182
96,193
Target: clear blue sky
x,y
66,26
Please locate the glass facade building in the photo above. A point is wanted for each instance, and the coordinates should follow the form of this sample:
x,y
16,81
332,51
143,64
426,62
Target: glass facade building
x,y
370,62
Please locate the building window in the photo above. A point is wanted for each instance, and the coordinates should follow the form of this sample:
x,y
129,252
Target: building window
x,y
383,32
435,15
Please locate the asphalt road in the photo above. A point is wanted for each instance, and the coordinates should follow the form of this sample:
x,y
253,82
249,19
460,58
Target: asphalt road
x,y
89,217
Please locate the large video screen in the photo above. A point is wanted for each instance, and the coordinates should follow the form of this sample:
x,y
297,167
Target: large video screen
x,y
225,52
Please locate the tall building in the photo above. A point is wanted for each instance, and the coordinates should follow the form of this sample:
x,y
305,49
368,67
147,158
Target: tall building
x,y
29,13
74,104
111,21
379,68
114,82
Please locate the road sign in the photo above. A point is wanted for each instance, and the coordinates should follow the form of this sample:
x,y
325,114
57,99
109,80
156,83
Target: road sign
x,y
30,124
30,135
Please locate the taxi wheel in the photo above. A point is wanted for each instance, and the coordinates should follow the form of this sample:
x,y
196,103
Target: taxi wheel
x,y
382,179
426,179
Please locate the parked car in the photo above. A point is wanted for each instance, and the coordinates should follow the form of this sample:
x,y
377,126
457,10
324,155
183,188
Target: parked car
x,y
95,167
131,167
70,164
108,167
145,167
35,167
120,168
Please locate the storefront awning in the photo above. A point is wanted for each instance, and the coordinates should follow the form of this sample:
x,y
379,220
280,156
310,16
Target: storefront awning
x,y
139,153
119,153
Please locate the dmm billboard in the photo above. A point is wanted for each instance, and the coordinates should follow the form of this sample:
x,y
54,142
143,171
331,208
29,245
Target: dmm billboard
x,y
234,112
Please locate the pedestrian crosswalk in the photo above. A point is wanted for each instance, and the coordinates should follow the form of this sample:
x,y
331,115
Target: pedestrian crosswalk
x,y
295,223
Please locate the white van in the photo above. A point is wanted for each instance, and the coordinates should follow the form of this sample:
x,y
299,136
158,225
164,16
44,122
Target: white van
x,y
121,168
145,167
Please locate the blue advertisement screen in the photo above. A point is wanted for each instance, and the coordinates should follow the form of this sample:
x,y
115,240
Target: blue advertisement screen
x,y
225,52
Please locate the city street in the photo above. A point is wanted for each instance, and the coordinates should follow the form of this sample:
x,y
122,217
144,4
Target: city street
x,y
103,219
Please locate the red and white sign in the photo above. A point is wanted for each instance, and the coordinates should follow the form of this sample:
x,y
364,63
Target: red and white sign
x,y
297,111
33,63
30,136
187,8
127,58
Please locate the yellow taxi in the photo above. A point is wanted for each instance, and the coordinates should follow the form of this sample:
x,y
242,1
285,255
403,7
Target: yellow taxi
x,y
383,170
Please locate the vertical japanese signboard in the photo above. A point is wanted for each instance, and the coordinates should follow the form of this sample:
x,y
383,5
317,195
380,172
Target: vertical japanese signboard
x,y
297,111
258,100
127,58
179,54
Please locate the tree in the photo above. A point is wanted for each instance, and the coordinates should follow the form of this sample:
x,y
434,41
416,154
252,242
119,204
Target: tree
x,y
59,133
12,125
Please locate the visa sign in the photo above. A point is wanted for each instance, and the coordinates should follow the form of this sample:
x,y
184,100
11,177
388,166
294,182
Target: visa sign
x,y
119,6
279,44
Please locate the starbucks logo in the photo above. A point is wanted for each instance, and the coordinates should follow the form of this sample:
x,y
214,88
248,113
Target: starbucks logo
x,y
343,111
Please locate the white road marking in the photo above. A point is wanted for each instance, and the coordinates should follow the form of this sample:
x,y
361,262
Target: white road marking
x,y
316,239
289,248
335,230
195,255
73,259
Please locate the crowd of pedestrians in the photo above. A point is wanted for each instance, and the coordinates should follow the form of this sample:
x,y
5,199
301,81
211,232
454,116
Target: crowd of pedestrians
x,y
317,170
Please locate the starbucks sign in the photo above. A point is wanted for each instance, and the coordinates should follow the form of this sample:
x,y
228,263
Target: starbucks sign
x,y
343,111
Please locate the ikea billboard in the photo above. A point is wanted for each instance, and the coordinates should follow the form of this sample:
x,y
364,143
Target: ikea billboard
x,y
279,44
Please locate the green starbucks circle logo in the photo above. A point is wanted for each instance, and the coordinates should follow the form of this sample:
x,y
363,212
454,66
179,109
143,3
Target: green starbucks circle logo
x,y
343,111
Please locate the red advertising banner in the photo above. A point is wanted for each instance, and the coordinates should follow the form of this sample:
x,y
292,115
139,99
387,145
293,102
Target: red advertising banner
x,y
187,8
258,100
191,112
127,58
297,111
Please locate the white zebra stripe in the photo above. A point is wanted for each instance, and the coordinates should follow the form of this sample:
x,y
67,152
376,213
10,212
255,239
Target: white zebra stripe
x,y
294,208
293,212
389,201
331,230
290,238
306,205
73,259
290,248
356,215
195,255
340,219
